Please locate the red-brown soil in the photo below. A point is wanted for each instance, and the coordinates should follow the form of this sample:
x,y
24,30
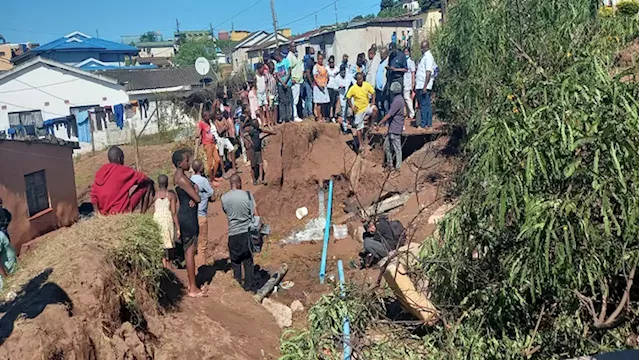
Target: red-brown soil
x,y
228,324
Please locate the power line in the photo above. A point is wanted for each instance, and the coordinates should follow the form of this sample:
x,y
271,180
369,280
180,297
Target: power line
x,y
311,14
31,109
238,14
54,96
47,85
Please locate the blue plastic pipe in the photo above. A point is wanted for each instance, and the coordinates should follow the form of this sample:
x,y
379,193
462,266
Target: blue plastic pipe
x,y
346,329
327,228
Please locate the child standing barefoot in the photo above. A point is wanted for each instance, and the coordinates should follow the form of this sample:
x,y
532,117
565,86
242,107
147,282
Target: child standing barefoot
x,y
166,216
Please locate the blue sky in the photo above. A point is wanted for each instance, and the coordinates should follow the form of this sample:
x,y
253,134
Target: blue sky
x,y
42,21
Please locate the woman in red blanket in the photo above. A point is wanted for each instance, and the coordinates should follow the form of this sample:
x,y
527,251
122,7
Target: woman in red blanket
x,y
118,188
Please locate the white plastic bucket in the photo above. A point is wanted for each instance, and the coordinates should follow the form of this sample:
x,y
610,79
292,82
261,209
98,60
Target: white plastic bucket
x,y
302,212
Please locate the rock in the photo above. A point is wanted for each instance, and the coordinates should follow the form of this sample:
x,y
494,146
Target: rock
x,y
356,230
282,313
296,305
440,213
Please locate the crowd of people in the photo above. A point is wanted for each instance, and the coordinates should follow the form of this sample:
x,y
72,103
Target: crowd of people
x,y
381,88
289,86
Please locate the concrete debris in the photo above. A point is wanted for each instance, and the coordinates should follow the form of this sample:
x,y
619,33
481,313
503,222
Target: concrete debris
x,y
296,305
282,313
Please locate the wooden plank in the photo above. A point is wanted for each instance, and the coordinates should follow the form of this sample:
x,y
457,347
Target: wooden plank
x,y
271,283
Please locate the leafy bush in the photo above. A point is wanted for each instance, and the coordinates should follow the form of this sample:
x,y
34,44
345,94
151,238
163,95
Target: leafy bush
x,y
627,7
323,337
547,222
138,263
606,11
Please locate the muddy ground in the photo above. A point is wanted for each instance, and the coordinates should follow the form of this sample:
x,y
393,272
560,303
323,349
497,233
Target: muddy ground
x,y
229,324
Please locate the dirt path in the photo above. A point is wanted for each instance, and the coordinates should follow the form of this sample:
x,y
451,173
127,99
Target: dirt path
x,y
227,324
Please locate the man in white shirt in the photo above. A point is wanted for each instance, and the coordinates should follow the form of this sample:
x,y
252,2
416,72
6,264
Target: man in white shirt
x,y
297,70
372,68
424,84
409,83
343,82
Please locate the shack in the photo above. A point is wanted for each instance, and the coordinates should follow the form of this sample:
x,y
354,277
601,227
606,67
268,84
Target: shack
x,y
37,185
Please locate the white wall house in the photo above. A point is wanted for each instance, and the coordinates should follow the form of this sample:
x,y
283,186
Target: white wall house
x,y
43,89
412,6
241,52
48,89
156,49
358,37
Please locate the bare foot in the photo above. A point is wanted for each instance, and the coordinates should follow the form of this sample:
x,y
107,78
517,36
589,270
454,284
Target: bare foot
x,y
196,294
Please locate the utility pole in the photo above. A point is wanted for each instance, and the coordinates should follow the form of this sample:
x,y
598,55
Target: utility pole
x,y
316,16
98,33
443,9
335,8
177,25
211,31
275,24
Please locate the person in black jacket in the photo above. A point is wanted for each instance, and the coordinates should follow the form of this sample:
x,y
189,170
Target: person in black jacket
x,y
381,238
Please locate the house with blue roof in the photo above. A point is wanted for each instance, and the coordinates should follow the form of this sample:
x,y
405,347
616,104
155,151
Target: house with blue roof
x,y
82,51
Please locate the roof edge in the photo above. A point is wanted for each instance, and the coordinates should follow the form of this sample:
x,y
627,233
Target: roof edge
x,y
38,60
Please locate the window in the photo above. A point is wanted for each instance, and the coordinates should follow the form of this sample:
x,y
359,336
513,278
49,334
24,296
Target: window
x,y
2,53
30,121
37,194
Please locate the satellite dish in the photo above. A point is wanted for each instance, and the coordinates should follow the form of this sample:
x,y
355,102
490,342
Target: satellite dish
x,y
202,66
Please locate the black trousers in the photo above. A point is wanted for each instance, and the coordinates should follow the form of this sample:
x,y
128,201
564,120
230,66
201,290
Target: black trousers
x,y
241,257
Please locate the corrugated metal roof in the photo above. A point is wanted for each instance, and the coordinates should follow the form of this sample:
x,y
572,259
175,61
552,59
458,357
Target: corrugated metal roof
x,y
147,79
79,41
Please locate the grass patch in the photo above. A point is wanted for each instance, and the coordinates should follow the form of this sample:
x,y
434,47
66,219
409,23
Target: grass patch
x,y
163,137
126,248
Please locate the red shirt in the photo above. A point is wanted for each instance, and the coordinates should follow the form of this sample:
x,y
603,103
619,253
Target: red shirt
x,y
110,189
205,133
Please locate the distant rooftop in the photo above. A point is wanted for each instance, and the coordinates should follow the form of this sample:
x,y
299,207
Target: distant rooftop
x,y
79,41
154,44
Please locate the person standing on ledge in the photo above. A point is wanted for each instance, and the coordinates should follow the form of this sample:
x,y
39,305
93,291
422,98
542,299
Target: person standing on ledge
x,y
424,84
395,117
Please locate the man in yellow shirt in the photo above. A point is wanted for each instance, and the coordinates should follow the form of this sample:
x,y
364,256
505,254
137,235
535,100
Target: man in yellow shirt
x,y
362,99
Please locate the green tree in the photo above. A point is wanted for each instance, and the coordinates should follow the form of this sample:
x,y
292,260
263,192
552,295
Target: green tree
x,y
386,4
426,5
190,50
392,12
149,36
363,18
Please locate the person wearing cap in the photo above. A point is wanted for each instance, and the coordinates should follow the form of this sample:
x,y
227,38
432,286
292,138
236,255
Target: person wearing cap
x,y
395,118
363,99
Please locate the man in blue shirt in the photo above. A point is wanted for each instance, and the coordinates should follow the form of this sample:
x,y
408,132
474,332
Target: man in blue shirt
x,y
307,85
382,101
285,96
206,196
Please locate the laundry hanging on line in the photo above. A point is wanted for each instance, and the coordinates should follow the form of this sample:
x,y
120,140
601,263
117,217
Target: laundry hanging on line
x,y
118,113
84,129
